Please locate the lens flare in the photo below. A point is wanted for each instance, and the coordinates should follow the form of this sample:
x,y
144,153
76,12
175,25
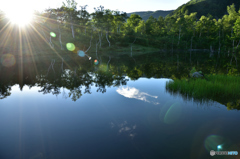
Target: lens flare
x,y
171,113
76,50
8,60
81,53
70,46
96,62
214,142
53,34
219,147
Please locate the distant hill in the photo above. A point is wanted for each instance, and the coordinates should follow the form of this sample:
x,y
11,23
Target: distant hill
x,y
147,14
217,8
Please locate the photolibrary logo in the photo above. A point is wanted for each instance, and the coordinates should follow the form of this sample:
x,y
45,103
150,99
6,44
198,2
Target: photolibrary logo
x,y
212,152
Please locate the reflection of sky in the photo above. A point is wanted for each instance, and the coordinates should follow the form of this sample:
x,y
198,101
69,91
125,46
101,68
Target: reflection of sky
x,y
34,123
131,92
125,128
16,89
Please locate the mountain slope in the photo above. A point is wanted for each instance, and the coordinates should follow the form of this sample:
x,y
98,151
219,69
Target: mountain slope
x,y
156,14
217,8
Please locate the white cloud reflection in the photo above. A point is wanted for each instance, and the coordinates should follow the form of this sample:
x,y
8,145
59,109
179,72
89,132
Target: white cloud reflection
x,y
131,92
125,128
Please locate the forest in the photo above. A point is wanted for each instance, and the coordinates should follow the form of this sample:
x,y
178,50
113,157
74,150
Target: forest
x,y
217,8
109,29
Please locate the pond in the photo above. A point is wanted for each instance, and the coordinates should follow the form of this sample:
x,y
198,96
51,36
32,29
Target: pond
x,y
113,107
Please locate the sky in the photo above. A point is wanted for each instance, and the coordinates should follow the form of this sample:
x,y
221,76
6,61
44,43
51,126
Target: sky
x,y
121,5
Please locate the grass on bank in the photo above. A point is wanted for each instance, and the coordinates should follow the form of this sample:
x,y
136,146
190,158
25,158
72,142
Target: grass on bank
x,y
119,50
217,87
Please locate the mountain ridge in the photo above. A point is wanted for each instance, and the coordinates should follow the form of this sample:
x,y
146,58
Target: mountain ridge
x,y
217,8
146,14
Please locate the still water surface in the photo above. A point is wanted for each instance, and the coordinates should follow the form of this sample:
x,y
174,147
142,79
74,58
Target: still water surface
x,y
135,119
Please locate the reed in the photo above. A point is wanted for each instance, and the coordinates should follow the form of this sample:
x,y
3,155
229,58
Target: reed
x,y
216,87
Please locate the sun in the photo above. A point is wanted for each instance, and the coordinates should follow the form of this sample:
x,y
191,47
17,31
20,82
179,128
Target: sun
x,y
21,18
21,13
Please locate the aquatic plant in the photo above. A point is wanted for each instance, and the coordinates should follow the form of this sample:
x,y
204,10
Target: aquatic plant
x,y
221,88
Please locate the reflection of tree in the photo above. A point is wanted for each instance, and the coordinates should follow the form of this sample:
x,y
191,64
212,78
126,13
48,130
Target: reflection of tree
x,y
78,81
102,80
48,85
233,105
72,80
75,93
135,73
49,88
118,81
75,80
4,91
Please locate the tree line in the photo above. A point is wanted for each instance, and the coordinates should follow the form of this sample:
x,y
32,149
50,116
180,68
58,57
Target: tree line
x,y
106,28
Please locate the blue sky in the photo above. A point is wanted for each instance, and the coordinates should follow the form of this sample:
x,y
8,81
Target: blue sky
x,y
121,5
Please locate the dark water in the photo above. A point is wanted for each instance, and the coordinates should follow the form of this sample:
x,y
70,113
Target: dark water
x,y
118,108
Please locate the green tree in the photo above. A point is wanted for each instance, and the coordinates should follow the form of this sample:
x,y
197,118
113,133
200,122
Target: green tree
x,y
70,14
158,28
133,21
228,21
181,25
83,17
219,31
236,28
170,24
141,28
98,22
118,20
190,26
150,24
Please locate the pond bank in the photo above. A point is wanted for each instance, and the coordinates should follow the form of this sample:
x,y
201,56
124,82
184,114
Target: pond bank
x,y
217,88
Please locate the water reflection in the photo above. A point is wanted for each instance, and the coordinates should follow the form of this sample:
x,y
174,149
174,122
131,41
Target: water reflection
x,y
120,106
4,91
77,77
130,92
125,128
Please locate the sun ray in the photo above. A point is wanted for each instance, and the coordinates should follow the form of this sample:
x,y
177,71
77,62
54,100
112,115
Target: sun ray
x,y
5,26
21,60
30,50
5,38
48,44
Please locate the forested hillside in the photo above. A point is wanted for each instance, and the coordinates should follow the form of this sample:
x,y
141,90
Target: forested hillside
x,y
156,14
217,8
